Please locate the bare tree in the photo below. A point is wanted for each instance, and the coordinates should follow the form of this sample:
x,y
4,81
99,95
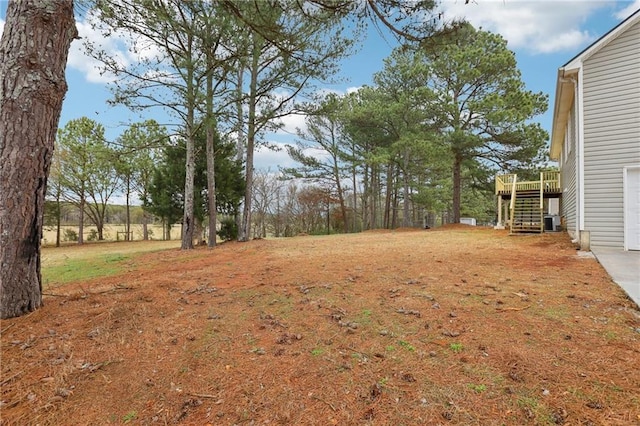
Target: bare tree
x,y
266,192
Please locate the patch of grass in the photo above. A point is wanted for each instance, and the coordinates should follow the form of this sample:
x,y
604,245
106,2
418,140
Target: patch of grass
x,y
556,313
478,388
79,270
62,265
317,351
130,416
115,257
616,388
365,316
251,339
483,373
456,347
283,305
535,409
408,346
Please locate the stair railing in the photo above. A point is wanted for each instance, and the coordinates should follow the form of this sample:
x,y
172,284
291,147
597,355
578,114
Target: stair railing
x,y
512,204
542,201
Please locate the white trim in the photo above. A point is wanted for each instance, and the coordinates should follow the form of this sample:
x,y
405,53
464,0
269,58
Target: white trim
x,y
625,208
565,72
604,40
580,137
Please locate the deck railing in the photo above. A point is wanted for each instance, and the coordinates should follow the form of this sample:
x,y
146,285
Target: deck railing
x,y
549,183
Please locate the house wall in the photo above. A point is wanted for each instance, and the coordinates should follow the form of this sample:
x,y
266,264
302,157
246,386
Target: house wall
x,y
611,99
568,176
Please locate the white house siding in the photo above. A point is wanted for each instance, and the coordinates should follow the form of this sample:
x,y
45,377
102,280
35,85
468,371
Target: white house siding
x,y
611,134
568,176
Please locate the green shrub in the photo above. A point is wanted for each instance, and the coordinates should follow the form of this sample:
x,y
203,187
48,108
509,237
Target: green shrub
x,y
228,229
93,235
70,235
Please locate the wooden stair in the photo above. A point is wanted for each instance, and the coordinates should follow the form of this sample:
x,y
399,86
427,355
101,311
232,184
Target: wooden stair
x,y
527,212
525,209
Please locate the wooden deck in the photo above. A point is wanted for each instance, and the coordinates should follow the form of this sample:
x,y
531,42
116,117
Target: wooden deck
x,y
526,200
549,183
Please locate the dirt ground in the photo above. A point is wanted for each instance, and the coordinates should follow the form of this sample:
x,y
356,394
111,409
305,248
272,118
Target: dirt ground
x,y
460,325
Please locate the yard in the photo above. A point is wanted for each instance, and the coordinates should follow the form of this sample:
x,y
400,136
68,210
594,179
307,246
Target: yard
x,y
456,325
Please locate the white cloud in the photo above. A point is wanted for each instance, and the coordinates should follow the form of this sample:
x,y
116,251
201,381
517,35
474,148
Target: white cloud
x,y
291,123
270,159
536,26
115,46
627,11
118,45
1,26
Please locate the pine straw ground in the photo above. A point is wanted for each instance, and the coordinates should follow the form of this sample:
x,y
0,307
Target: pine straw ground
x,y
454,326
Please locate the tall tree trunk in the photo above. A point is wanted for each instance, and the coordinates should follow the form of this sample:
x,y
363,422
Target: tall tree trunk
x,y
211,189
366,190
33,55
211,177
244,232
406,219
387,219
343,207
394,208
328,212
457,184
127,227
58,214
100,226
240,142
189,181
145,227
187,219
375,196
354,182
81,221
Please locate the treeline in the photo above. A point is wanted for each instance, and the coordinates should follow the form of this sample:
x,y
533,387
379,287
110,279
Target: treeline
x,y
421,146
70,215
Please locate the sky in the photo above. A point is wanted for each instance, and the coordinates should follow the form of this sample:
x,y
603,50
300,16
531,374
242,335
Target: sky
x,y
543,34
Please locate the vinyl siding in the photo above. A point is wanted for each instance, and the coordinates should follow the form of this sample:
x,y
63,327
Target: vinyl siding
x,y
611,97
568,176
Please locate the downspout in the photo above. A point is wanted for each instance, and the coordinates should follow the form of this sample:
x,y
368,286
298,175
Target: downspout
x,y
578,136
580,155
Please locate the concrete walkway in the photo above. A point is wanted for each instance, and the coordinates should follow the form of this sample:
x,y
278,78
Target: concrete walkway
x,y
624,268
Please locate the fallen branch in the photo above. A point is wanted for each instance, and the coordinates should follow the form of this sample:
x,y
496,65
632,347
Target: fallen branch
x,y
115,288
326,402
512,309
408,312
97,366
8,379
86,292
202,395
55,295
6,328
